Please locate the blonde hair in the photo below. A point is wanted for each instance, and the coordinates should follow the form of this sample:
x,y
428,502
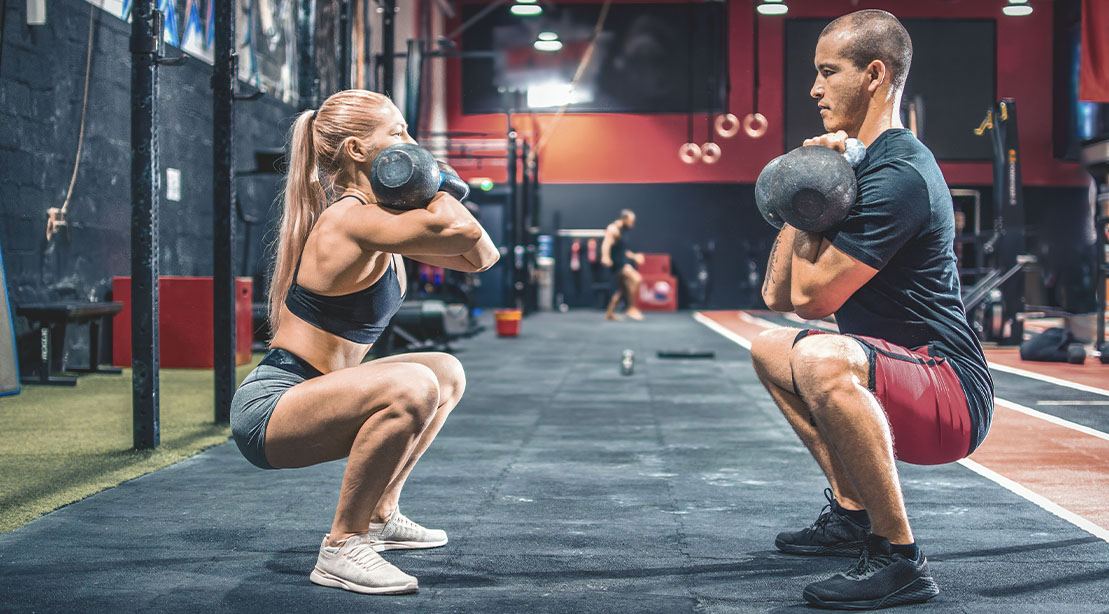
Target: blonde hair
x,y
315,159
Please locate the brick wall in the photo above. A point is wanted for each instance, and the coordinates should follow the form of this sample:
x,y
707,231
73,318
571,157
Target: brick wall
x,y
41,82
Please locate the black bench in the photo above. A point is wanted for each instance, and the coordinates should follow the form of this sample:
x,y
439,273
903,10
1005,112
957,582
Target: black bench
x,y
53,318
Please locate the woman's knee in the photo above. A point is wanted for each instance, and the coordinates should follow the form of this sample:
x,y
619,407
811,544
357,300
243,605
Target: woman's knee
x,y
413,393
451,377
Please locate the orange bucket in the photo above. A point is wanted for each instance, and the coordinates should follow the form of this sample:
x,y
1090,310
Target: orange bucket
x,y
508,322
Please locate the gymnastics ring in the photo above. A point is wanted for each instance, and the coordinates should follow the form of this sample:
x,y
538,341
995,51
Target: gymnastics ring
x,y
689,153
710,153
727,125
755,125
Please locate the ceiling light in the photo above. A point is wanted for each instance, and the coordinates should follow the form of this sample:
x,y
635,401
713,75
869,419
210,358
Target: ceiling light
x,y
526,9
772,7
526,1
548,36
554,94
548,45
1017,10
1018,1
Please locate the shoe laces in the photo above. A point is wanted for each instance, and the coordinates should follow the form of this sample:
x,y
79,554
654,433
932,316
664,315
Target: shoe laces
x,y
826,514
867,564
402,520
363,555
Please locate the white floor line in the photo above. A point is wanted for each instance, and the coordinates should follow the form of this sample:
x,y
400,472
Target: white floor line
x,y
1004,482
1040,500
1050,418
724,332
750,319
1049,379
1073,403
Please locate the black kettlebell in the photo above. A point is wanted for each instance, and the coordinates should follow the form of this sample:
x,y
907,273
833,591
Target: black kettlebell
x,y
407,176
451,183
810,188
762,194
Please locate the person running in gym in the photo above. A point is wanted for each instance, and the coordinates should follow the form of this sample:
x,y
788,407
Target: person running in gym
x,y
616,255
905,378
337,281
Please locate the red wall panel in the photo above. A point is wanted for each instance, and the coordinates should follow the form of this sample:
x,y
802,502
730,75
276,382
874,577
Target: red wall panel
x,y
614,148
185,337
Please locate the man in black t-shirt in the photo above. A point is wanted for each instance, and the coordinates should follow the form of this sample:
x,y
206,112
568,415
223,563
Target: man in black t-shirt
x,y
905,378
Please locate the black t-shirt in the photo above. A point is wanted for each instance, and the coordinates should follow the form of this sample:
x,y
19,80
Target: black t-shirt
x,y
903,224
619,250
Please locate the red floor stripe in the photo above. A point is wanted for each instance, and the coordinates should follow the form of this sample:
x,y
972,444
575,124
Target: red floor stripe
x,y
1068,467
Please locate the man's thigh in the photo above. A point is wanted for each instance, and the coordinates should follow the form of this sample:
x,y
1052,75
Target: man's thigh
x,y
923,400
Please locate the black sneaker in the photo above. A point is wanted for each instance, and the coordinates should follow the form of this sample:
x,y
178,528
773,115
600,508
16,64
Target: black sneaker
x,y
833,534
880,579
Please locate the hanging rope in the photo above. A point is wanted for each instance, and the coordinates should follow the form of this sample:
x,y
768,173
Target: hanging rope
x,y
689,152
56,217
582,65
710,151
755,124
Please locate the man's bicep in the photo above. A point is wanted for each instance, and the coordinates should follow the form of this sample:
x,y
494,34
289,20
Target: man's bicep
x,y
843,274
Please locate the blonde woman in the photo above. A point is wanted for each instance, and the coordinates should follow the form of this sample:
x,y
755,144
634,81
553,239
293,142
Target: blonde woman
x,y
337,281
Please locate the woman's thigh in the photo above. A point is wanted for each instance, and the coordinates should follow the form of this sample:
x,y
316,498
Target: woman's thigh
x,y
317,420
447,369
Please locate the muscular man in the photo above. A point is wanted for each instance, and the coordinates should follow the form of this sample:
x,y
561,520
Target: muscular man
x,y
905,377
616,254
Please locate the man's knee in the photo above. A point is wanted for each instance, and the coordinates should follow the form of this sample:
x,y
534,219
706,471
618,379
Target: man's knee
x,y
768,346
822,365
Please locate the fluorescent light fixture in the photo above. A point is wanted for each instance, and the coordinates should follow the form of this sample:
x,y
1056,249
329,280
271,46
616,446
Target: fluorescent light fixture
x,y
526,9
1018,1
526,1
772,7
553,94
548,36
548,45
1017,10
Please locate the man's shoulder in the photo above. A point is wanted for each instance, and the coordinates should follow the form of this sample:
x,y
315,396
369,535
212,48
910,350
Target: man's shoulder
x,y
893,178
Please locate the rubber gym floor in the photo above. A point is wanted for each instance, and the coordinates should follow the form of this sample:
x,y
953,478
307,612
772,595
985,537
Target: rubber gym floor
x,y
566,486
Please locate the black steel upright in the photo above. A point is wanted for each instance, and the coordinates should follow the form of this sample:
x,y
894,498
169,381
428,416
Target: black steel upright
x,y
512,220
1008,199
306,54
145,45
524,230
388,45
224,71
344,44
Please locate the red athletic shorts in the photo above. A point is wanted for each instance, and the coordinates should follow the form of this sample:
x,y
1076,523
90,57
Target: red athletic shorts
x,y
922,397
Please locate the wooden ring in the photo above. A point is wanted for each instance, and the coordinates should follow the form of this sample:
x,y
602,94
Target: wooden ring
x,y
689,153
710,153
755,125
727,125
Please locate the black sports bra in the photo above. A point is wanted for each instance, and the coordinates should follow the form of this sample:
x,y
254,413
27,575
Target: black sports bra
x,y
359,316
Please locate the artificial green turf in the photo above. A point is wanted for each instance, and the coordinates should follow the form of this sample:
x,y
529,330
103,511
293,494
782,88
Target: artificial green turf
x,y
60,444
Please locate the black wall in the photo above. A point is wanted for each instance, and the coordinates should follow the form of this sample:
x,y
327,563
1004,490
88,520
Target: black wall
x,y
671,218
674,217
953,72
41,81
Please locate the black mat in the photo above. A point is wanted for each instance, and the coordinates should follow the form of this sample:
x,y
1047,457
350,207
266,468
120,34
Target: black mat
x,y
565,487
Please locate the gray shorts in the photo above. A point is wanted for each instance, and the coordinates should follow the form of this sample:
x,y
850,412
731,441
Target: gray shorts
x,y
257,397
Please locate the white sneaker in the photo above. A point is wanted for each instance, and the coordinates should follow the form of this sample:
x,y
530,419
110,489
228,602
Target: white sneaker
x,y
400,533
356,566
